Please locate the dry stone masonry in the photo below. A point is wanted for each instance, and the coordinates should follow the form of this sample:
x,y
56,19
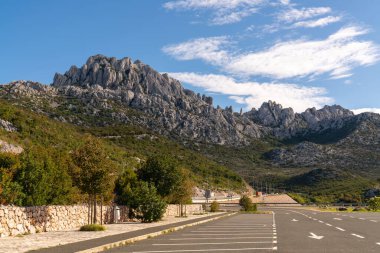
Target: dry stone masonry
x,y
16,220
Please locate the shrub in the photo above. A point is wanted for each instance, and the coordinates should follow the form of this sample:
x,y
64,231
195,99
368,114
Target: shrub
x,y
149,204
92,227
374,204
246,203
214,207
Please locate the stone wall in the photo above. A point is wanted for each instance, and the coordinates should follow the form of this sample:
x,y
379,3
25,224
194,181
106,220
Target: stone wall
x,y
16,220
174,210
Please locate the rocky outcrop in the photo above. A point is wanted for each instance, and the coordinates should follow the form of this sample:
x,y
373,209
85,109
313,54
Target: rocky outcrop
x,y
6,147
7,126
108,88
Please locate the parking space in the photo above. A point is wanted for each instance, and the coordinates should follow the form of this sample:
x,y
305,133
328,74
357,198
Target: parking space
x,y
238,233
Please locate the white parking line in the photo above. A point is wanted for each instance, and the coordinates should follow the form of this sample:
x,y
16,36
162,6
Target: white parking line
x,y
328,224
361,219
230,234
341,229
321,221
337,219
206,243
359,236
222,238
204,250
234,229
378,243
373,220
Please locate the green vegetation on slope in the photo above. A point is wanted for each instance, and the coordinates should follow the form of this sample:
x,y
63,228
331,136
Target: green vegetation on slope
x,y
43,174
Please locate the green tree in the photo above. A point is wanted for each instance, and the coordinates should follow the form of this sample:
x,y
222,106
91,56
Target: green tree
x,y
147,203
93,172
374,204
246,203
10,191
163,172
183,191
214,207
43,178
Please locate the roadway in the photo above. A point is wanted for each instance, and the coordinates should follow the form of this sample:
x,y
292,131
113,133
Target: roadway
x,y
287,230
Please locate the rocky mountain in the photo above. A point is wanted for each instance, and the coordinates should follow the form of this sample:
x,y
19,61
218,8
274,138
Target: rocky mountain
x,y
169,109
107,91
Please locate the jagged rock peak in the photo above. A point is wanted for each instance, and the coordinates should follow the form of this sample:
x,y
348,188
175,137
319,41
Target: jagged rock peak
x,y
111,73
272,114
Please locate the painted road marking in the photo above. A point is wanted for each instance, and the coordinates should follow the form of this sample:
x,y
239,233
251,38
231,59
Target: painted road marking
x,y
294,220
204,250
378,243
321,221
337,219
206,243
314,236
361,219
359,236
328,224
222,238
229,234
341,229
373,220
232,230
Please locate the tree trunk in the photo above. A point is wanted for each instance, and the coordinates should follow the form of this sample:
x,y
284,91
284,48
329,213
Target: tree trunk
x,y
101,211
95,209
89,209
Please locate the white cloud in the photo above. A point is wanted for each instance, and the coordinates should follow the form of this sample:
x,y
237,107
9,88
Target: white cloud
x,y
207,49
318,23
224,11
361,110
285,2
337,55
227,17
209,4
253,94
293,14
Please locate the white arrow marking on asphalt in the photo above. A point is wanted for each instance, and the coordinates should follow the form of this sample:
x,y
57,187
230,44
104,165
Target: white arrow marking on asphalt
x,y
314,236
294,220
337,219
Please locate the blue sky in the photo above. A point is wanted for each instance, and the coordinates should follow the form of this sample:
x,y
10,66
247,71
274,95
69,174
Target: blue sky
x,y
242,52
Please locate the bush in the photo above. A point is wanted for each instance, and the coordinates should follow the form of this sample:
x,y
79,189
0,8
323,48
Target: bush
x,y
92,227
246,203
148,204
374,204
214,207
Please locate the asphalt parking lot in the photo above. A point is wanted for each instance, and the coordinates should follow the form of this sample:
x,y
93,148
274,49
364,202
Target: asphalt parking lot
x,y
238,233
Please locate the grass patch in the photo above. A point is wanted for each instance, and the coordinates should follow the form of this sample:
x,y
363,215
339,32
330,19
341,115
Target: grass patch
x,y
92,227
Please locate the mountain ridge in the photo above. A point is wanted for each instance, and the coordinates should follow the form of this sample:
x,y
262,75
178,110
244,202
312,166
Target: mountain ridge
x,y
271,141
184,113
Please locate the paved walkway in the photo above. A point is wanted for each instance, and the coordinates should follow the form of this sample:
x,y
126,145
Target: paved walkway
x,y
71,241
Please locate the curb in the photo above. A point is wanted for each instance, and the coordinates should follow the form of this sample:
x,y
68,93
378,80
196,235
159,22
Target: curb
x,y
150,235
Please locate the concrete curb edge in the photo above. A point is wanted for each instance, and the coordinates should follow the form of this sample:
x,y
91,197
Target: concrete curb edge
x,y
150,235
